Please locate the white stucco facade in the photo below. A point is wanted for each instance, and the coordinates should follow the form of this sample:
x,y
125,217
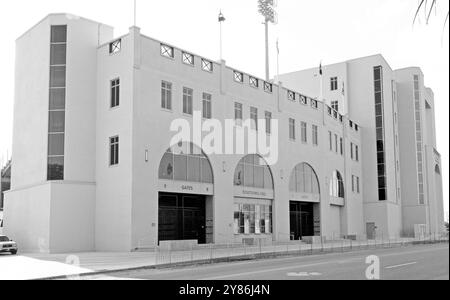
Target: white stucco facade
x,y
100,206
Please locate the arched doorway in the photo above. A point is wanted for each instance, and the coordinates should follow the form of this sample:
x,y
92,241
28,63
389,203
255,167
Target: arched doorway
x,y
304,205
185,195
337,202
253,199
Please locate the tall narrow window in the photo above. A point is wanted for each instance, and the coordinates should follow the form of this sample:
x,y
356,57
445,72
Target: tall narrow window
x,y
207,106
268,116
334,83
292,129
336,143
304,132
419,140
114,151
238,113
115,93
341,145
254,117
315,135
330,138
351,151
188,101
166,95
356,153
379,123
57,103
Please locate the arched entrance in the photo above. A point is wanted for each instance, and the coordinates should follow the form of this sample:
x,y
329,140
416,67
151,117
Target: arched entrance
x,y
253,199
304,191
185,195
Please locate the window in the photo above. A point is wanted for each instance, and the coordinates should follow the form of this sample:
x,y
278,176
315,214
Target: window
x,y
330,137
356,153
57,103
335,105
336,143
268,87
337,185
419,139
314,104
268,117
355,184
188,101
253,172
291,95
167,51
254,117
351,151
238,112
115,92
330,110
292,129
207,65
304,180
188,58
166,95
115,47
304,132
358,189
207,106
334,83
252,219
315,135
341,145
304,100
114,151
238,76
379,124
254,82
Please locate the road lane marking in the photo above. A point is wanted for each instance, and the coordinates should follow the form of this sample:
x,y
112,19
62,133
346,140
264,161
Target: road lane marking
x,y
303,274
402,265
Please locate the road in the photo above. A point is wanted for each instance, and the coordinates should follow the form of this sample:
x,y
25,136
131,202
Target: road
x,y
426,262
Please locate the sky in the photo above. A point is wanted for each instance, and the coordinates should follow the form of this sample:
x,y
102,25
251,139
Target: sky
x,y
308,31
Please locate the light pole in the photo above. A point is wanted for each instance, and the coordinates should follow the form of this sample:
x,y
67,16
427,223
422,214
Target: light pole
x,y
267,9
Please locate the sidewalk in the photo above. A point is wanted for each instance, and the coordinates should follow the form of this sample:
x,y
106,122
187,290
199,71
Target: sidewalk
x,y
38,266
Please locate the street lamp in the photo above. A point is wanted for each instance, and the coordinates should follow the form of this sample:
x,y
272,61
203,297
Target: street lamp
x,y
267,9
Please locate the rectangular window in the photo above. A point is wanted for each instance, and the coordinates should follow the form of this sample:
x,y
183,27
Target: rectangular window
x,y
207,65
238,113
167,51
330,137
268,116
254,82
358,189
353,183
268,87
188,101
115,93
315,135
114,151
356,153
351,151
336,143
314,104
379,124
334,83
207,106
252,219
335,105
188,58
57,103
341,145
304,100
238,76
292,129
254,117
304,132
166,95
115,46
291,95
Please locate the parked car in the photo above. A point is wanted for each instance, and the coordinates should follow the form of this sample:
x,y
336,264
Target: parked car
x,y
7,245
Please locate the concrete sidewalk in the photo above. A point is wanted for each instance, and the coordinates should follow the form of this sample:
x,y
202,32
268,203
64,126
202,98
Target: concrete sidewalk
x,y
39,266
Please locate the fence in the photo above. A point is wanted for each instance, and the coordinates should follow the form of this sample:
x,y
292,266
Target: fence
x,y
235,252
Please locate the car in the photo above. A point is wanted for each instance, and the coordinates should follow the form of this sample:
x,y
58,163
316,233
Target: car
x,y
7,245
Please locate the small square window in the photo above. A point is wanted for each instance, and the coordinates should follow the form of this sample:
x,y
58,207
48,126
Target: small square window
x,y
207,65
254,82
188,58
291,95
314,104
268,87
167,51
115,47
303,100
238,76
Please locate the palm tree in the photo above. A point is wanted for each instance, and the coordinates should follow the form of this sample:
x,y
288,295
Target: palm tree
x,y
423,6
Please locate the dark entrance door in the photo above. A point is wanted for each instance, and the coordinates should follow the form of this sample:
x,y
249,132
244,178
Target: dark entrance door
x,y
301,219
182,217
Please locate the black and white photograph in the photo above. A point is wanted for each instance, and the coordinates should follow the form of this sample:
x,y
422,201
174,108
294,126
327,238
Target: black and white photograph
x,y
224,147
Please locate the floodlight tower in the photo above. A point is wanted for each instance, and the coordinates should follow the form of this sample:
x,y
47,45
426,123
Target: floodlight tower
x,y
267,9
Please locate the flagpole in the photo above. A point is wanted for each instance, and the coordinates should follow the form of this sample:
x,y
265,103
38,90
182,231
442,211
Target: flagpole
x,y
221,20
135,13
